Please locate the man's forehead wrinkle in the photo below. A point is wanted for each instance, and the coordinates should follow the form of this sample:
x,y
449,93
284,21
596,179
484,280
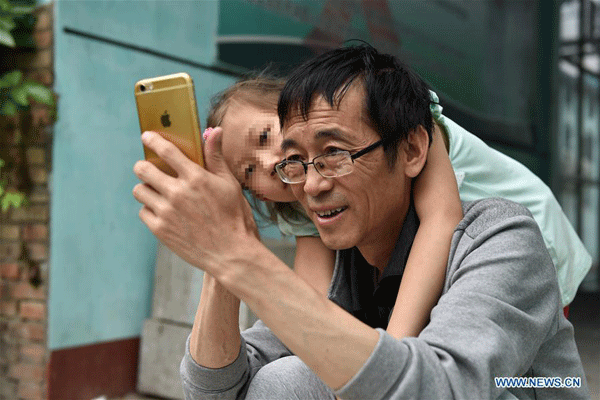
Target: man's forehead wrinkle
x,y
329,122
329,133
295,119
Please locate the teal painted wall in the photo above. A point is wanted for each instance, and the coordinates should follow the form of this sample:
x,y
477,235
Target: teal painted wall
x,y
102,256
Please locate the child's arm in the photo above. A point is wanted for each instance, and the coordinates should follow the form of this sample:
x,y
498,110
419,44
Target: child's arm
x,y
439,209
314,262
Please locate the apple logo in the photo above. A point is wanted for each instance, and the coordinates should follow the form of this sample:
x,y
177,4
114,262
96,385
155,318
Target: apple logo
x,y
164,120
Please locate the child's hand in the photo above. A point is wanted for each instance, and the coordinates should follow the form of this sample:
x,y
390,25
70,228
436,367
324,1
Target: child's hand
x,y
207,133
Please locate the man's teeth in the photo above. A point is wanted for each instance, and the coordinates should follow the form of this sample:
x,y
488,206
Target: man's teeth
x,y
330,212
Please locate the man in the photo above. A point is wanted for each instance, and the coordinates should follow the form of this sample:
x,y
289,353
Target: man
x,y
499,314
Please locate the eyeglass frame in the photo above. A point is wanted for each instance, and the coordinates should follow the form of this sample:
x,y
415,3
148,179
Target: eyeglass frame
x,y
279,166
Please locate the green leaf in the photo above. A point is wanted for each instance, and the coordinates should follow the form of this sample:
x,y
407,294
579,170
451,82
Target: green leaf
x,y
6,39
8,108
14,199
2,163
20,10
39,93
7,23
19,95
5,5
12,78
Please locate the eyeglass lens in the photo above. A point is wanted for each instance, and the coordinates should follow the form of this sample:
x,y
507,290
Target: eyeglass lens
x,y
328,165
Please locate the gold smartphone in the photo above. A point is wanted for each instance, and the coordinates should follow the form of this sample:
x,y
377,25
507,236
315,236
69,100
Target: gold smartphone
x,y
167,105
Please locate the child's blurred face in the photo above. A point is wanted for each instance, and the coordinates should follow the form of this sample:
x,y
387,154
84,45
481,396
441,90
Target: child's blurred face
x,y
251,146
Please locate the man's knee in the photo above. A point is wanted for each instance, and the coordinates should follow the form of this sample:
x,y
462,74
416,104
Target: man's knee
x,y
287,378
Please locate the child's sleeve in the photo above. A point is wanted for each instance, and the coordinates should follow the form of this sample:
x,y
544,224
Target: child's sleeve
x,y
296,224
486,173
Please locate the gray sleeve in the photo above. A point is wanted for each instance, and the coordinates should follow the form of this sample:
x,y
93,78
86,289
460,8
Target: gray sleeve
x,y
259,347
500,304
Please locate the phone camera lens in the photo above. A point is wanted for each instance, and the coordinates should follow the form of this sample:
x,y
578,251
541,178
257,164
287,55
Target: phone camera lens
x,y
142,88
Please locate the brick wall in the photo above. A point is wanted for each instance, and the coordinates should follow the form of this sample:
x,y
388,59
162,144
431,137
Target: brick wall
x,y
24,232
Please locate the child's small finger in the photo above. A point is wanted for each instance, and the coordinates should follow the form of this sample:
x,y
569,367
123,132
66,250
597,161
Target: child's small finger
x,y
207,133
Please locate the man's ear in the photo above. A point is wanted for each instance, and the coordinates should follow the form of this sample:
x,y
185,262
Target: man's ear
x,y
415,149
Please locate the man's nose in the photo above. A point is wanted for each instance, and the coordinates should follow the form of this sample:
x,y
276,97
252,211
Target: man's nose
x,y
315,183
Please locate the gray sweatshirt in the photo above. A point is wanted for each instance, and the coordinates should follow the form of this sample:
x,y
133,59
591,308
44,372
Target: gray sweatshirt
x,y
499,317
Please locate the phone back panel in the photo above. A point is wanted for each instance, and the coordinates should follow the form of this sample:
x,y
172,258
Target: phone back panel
x,y
167,105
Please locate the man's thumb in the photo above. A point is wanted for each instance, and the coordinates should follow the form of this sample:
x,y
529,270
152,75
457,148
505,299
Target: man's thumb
x,y
213,153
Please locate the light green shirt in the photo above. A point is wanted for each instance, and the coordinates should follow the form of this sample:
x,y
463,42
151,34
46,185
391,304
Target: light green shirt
x,y
296,225
486,172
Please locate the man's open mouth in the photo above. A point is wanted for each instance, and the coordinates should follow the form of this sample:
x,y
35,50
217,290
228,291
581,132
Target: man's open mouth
x,y
331,213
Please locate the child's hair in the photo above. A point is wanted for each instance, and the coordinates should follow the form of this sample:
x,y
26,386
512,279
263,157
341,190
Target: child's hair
x,y
261,91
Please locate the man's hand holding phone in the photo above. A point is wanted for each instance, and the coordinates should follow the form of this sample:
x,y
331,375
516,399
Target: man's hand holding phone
x,y
202,215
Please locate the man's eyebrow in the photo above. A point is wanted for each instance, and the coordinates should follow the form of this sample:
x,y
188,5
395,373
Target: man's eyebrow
x,y
323,134
288,144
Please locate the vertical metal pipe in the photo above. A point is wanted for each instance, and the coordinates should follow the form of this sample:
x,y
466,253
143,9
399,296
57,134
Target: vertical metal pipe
x,y
594,38
597,178
580,93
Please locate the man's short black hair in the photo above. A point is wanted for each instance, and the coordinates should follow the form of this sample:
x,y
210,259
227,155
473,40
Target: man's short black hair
x,y
397,99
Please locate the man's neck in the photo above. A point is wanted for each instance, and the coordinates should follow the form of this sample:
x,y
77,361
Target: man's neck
x,y
377,252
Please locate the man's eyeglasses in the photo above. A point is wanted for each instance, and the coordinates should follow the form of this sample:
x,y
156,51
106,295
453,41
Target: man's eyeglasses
x,y
330,165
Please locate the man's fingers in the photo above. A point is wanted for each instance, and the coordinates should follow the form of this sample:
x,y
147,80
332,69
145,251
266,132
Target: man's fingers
x,y
146,195
149,218
168,152
151,175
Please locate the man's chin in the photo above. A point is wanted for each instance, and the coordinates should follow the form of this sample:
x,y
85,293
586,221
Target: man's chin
x,y
336,243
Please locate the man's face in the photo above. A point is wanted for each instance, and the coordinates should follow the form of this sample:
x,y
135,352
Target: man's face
x,y
365,208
